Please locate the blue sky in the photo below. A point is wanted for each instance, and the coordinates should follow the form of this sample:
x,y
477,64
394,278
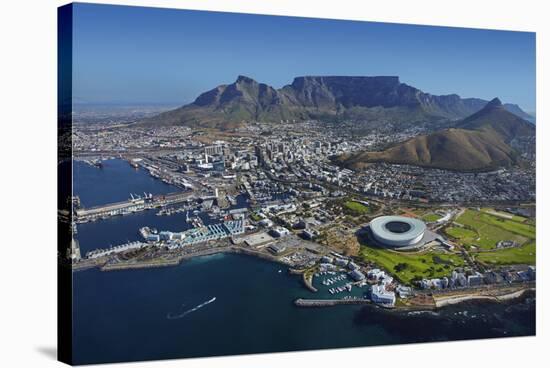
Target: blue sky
x,y
148,55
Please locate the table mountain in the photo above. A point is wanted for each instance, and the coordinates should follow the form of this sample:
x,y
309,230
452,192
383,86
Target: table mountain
x,y
372,100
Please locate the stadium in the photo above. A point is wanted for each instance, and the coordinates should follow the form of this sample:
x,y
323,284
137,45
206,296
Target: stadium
x,y
398,231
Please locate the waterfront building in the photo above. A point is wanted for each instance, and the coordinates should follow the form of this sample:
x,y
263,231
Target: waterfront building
x,y
404,291
341,262
376,274
492,277
166,235
97,253
276,248
380,295
524,275
279,232
433,284
324,267
508,276
458,279
178,236
475,280
258,240
153,238
386,279
357,275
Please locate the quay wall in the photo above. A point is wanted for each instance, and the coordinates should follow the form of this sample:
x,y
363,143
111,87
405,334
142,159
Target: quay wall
x,y
177,260
328,302
136,265
308,282
170,198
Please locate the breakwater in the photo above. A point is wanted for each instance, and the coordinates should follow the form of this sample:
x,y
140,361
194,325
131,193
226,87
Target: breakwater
x,y
328,302
308,282
130,206
137,265
174,261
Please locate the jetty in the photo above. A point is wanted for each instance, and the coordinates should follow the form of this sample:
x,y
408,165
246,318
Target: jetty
x,y
132,205
328,302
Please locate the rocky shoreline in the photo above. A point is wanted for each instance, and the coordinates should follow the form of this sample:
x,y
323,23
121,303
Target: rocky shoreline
x,y
456,299
441,303
168,262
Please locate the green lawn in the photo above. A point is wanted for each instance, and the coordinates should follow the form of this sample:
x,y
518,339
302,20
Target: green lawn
x,y
467,236
409,266
356,208
516,227
515,218
522,255
417,211
254,216
490,230
486,230
431,217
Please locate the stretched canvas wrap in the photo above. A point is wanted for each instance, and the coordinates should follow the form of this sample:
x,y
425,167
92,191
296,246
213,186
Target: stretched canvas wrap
x,y
235,183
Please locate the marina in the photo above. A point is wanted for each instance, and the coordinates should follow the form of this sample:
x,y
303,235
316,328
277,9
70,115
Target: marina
x,y
339,285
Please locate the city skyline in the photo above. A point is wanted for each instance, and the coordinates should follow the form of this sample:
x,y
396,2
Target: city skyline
x,y
142,55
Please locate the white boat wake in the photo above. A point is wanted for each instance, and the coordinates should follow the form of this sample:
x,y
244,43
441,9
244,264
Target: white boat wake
x,y
178,316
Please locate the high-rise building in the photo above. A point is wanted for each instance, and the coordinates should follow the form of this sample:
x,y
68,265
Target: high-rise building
x,y
213,150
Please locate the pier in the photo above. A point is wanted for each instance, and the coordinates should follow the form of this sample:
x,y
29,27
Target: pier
x,y
130,206
328,302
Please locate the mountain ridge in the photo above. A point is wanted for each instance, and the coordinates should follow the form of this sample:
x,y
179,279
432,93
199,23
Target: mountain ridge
x,y
373,99
484,141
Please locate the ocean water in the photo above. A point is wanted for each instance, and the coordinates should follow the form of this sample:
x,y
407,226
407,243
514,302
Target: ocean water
x,y
114,182
169,312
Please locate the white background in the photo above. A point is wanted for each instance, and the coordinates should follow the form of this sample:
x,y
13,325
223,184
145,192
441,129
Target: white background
x,y
28,181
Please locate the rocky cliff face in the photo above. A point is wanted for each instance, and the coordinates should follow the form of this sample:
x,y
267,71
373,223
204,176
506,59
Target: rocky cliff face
x,y
362,99
348,92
